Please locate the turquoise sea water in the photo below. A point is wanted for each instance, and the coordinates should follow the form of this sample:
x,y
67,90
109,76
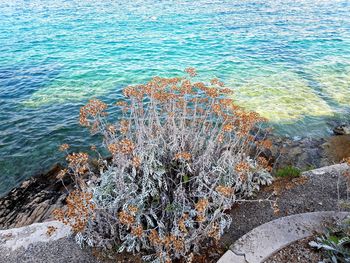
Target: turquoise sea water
x,y
288,60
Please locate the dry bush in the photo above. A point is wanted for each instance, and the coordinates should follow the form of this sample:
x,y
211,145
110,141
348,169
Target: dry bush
x,y
181,156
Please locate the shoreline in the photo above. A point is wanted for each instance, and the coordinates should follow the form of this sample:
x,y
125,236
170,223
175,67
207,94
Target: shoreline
x,y
35,198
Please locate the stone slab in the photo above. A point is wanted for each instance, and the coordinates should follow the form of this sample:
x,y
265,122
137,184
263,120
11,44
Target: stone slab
x,y
230,257
335,169
24,236
32,244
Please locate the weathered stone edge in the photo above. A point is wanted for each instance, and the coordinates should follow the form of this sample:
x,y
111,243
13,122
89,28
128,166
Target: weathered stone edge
x,y
263,241
230,257
331,169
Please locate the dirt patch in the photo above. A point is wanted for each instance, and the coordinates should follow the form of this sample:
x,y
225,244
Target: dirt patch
x,y
299,251
209,253
287,183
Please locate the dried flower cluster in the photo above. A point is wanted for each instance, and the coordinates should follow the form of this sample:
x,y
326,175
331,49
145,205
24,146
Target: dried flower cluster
x,y
347,160
78,162
181,156
78,212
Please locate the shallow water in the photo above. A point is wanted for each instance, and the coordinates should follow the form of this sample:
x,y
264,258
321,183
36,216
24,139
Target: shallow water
x,y
288,60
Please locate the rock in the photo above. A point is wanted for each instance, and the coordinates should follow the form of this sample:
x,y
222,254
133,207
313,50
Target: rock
x,y
304,153
34,200
25,184
342,129
295,151
39,210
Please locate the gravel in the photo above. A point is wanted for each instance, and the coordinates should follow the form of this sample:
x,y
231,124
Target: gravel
x,y
59,251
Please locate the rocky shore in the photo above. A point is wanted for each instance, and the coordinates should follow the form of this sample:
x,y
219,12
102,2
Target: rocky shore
x,y
35,199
